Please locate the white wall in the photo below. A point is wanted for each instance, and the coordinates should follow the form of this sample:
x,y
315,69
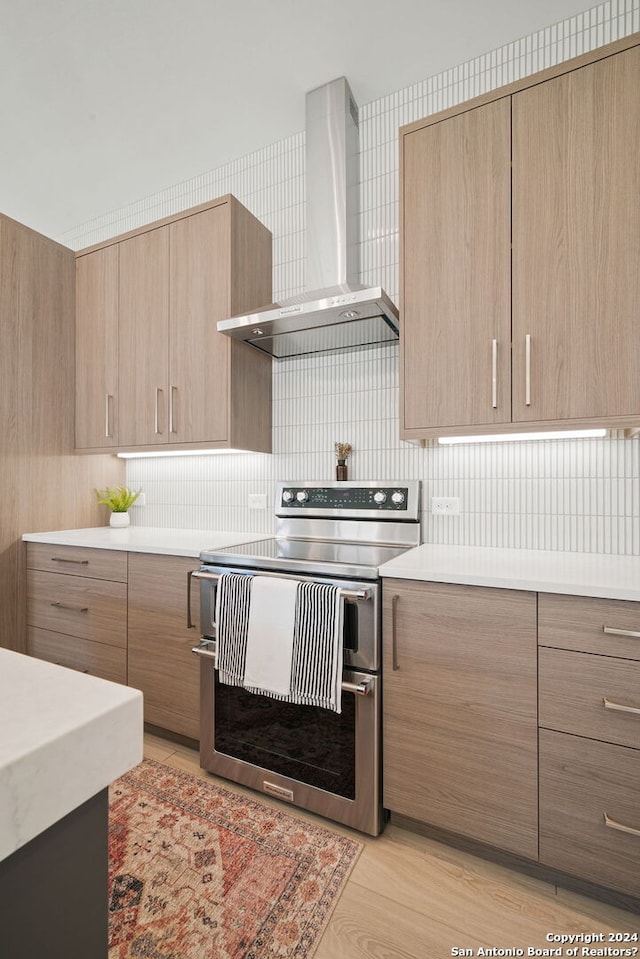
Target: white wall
x,y
579,495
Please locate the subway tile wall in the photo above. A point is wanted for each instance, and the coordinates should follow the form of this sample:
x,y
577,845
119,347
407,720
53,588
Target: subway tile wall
x,y
580,495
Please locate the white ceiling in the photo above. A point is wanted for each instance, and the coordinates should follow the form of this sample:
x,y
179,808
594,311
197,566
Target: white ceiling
x,y
103,102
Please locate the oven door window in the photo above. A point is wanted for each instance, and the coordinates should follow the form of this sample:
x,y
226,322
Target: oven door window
x,y
305,743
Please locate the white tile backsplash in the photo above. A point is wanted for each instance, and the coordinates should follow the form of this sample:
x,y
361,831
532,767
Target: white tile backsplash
x,y
581,495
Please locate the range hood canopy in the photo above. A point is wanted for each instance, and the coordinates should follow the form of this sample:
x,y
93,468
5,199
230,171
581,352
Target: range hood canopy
x,y
338,313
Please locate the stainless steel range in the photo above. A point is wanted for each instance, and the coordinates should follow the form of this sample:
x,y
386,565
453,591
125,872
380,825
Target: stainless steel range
x,y
323,761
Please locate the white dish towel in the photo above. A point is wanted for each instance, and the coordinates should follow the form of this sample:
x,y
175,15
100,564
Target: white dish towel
x,y
281,638
269,653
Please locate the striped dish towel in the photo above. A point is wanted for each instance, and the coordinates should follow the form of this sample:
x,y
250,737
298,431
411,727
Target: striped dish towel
x,y
317,649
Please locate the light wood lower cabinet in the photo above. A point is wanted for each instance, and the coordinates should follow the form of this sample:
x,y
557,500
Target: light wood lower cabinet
x,y
460,710
77,609
160,661
588,791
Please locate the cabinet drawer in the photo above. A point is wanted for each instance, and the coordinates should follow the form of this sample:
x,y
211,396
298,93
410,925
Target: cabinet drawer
x,y
78,561
96,659
609,627
89,609
581,782
574,688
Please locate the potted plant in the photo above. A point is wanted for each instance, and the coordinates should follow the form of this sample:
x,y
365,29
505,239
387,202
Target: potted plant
x,y
118,499
343,451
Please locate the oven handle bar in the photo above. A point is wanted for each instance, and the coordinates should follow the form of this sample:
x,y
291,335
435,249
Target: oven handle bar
x,y
207,648
357,594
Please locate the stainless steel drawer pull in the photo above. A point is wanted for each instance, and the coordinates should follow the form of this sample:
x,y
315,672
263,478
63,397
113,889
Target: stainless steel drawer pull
x,y
612,824
620,708
394,633
172,392
63,559
494,374
156,418
633,633
527,370
74,609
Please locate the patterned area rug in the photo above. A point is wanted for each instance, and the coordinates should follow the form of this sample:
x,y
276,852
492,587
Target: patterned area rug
x,y
200,872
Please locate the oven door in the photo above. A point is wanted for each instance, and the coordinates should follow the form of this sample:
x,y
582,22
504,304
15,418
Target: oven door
x,y
325,762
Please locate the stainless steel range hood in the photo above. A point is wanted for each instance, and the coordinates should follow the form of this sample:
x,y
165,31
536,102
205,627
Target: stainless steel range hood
x,y
339,313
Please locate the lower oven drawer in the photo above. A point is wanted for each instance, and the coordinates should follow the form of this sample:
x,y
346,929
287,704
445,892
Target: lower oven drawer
x,y
589,812
316,759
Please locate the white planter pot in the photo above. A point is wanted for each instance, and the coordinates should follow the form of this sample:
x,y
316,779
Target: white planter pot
x,y
119,519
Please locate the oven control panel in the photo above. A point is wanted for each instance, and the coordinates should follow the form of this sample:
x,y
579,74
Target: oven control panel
x,y
381,498
346,498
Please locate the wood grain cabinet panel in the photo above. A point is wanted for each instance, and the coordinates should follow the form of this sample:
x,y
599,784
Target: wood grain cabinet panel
x,y
78,561
582,783
456,237
96,659
576,242
160,661
97,397
460,710
593,696
92,609
606,627
143,358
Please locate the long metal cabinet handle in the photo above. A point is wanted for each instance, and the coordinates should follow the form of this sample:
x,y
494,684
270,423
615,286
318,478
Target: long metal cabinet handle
x,y
156,420
190,623
107,417
64,559
172,392
494,374
74,609
612,824
394,632
610,631
527,370
620,707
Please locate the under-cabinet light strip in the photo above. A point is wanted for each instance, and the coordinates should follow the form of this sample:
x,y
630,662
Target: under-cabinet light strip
x,y
148,453
511,437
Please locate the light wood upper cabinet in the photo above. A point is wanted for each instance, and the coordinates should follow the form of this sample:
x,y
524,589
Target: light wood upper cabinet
x,y
576,242
460,710
97,349
180,383
144,339
532,321
456,234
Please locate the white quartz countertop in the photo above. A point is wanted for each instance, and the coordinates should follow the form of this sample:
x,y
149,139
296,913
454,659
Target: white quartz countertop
x,y
146,539
64,736
544,571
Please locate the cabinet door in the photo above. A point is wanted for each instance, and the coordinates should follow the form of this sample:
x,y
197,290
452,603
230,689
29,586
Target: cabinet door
x,y
576,243
198,354
456,328
144,338
160,661
97,349
460,711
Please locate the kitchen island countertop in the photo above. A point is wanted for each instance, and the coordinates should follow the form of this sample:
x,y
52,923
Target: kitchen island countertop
x,y
146,539
544,571
65,737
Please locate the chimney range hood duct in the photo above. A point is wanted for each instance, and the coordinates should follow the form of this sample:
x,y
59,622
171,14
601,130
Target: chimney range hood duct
x,y
339,313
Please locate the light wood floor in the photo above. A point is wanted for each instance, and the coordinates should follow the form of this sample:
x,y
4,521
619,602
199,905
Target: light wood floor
x,y
409,897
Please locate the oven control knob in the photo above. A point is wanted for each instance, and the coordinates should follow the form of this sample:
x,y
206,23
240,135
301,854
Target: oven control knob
x,y
397,497
302,496
379,497
287,496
